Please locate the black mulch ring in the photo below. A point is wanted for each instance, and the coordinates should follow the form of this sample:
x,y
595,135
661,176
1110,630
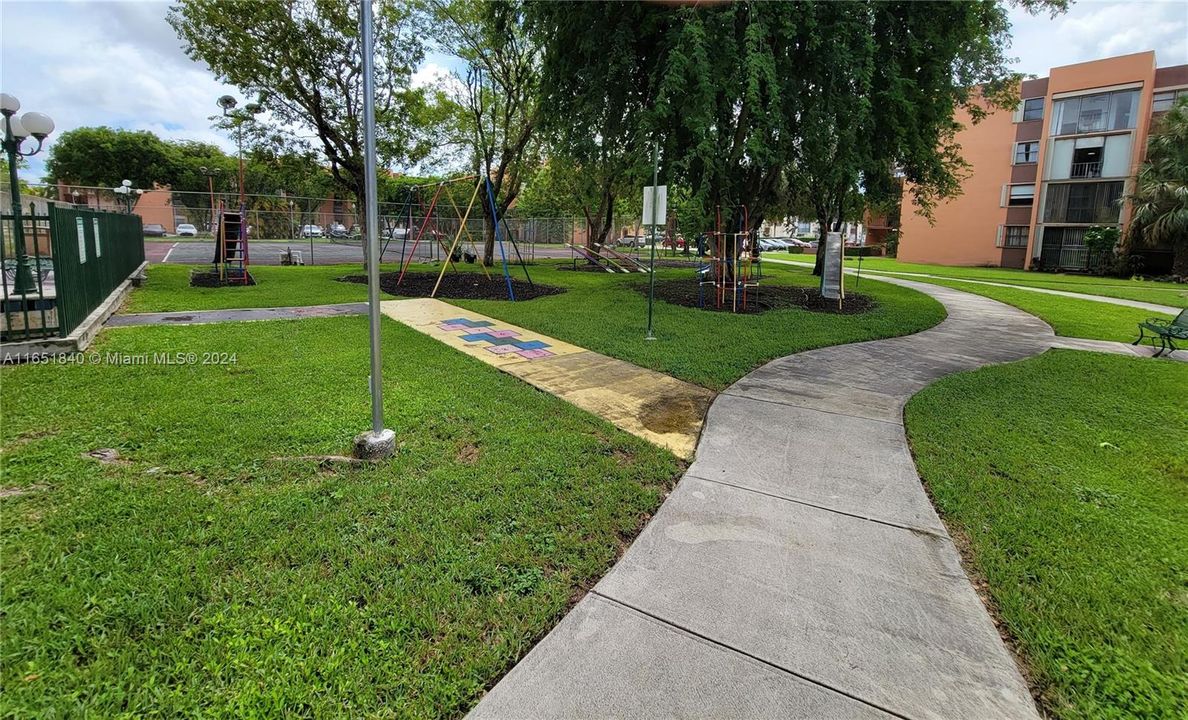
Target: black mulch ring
x,y
761,299
210,278
457,286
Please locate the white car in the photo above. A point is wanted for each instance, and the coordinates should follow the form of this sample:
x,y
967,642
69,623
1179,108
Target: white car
x,y
311,231
187,230
773,244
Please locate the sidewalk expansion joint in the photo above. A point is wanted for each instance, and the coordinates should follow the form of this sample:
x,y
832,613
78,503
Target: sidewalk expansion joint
x,y
751,656
896,423
785,498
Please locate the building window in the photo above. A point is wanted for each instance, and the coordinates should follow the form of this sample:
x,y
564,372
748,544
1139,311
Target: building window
x,y
1021,195
1086,162
1033,109
1026,153
1095,113
1086,203
1163,101
1015,236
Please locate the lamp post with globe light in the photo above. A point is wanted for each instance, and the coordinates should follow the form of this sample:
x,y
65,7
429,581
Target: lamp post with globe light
x,y
16,130
127,193
228,103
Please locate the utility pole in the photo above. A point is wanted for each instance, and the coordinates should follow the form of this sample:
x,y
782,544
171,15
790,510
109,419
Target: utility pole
x,y
379,442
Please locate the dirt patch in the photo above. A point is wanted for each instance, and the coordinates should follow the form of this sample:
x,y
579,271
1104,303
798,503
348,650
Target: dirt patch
x,y
457,286
469,454
209,278
18,491
669,415
759,300
107,456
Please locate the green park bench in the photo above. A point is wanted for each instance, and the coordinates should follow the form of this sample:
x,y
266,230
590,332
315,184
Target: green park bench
x,y
1165,332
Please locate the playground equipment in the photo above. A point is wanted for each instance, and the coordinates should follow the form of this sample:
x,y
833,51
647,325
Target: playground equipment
x,y
734,267
231,247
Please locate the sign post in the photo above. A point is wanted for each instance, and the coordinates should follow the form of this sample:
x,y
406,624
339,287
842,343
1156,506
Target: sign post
x,y
831,271
655,208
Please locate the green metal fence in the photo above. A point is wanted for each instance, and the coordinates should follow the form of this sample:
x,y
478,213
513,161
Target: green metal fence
x,y
90,254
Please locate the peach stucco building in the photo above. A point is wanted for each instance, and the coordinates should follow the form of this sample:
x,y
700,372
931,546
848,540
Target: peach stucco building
x,y
1042,175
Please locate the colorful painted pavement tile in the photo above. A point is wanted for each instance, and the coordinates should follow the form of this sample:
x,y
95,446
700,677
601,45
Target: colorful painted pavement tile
x,y
503,349
534,354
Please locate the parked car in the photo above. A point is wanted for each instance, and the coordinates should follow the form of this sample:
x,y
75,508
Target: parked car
x,y
772,244
154,230
187,230
311,231
797,242
338,230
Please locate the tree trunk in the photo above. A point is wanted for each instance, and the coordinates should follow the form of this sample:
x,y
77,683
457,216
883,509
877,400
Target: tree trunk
x,y
488,239
822,233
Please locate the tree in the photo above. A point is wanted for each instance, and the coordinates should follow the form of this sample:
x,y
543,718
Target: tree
x,y
1160,198
498,97
760,102
597,83
301,58
104,156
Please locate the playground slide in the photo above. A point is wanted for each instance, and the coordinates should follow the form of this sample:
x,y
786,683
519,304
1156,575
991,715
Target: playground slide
x,y
623,257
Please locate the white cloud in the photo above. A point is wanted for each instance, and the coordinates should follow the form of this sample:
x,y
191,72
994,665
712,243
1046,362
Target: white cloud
x,y
1094,30
119,62
105,63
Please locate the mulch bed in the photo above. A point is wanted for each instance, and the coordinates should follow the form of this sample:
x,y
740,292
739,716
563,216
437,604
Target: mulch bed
x,y
761,299
457,286
209,278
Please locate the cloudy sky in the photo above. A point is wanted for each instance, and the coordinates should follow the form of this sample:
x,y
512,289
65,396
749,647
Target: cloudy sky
x,y
118,63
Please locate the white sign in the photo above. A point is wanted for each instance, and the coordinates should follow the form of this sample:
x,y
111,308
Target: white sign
x,y
82,239
95,227
831,270
661,205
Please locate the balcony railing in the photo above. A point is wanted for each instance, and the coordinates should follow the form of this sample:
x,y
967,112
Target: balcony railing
x,y
1086,169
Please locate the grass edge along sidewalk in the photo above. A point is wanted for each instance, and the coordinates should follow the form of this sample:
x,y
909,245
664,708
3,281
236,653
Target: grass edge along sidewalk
x,y
1063,474
203,571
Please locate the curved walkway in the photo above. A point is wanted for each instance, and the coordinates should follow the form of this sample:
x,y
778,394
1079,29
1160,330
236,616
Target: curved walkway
x,y
798,569
1152,307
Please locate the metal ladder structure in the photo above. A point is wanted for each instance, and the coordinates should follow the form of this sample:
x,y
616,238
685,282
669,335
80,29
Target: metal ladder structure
x,y
231,248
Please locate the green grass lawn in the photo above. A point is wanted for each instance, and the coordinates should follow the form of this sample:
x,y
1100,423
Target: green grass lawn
x,y
168,289
1067,474
600,311
1069,317
1161,293
206,575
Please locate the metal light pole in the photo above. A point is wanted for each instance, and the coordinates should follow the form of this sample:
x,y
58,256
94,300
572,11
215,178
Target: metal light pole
x,y
379,442
15,132
652,239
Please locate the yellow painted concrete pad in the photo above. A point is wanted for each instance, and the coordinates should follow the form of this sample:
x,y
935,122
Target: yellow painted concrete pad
x,y
427,314
645,403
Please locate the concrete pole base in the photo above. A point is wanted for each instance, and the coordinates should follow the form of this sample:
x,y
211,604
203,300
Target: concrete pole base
x,y
374,446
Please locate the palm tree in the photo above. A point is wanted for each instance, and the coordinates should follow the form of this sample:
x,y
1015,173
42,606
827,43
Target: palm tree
x,y
1160,197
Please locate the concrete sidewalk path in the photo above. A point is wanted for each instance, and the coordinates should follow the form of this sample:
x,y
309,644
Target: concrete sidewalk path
x,y
1152,307
201,317
651,405
798,570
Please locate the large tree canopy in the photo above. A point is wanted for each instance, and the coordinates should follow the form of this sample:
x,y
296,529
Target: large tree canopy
x,y
497,100
302,59
759,102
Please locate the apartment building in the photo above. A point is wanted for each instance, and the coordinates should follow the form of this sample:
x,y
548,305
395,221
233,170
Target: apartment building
x,y
1041,176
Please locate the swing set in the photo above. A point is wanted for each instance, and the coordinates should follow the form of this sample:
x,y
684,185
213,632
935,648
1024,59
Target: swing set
x,y
734,268
435,217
